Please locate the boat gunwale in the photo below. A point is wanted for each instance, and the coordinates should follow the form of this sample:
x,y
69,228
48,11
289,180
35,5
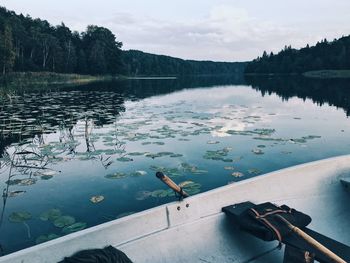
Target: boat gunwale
x,y
164,207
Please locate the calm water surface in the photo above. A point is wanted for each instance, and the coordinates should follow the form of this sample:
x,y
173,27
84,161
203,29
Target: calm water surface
x,y
72,159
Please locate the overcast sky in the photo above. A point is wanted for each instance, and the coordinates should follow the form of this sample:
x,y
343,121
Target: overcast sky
x,y
219,30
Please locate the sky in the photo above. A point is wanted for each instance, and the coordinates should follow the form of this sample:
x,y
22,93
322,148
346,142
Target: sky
x,y
218,30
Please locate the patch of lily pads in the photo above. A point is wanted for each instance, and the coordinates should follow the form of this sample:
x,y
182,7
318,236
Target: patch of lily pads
x,y
66,223
19,217
218,155
186,167
50,215
22,182
63,221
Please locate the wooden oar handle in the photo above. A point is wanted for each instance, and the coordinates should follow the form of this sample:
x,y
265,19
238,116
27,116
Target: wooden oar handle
x,y
313,242
165,179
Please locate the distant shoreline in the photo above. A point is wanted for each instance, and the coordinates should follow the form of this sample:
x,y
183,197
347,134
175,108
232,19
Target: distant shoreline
x,y
319,74
327,74
156,77
22,80
27,80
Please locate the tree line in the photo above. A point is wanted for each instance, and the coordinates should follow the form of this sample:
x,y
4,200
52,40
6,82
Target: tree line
x,y
141,63
324,55
28,44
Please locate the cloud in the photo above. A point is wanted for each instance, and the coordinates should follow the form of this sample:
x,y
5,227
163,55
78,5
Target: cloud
x,y
213,30
225,33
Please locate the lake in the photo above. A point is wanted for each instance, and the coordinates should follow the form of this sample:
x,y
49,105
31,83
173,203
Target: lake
x,y
72,158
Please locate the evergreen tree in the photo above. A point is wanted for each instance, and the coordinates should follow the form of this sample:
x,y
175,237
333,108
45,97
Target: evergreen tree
x,y
324,55
7,52
28,44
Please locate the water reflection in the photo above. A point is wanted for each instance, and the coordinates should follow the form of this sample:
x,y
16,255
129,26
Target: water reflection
x,y
335,92
30,114
83,156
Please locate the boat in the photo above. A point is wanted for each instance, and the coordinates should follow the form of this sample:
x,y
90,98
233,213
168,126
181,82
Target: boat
x,y
196,230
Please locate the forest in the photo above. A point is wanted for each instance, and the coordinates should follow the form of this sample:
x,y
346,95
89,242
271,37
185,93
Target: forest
x,y
325,55
141,63
34,45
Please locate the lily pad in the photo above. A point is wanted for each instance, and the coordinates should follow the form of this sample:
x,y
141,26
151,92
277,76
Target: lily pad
x,y
311,137
197,171
51,214
74,228
46,177
124,159
152,155
301,140
218,155
15,193
237,174
257,151
63,221
19,217
157,193
139,173
254,171
97,199
115,176
264,131
142,195
26,182
175,155
13,182
190,187
183,184
46,173
164,153
158,143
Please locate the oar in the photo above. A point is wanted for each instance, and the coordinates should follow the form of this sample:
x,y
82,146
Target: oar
x,y
165,179
334,257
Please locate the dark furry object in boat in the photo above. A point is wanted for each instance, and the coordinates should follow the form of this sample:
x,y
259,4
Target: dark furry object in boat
x,y
108,254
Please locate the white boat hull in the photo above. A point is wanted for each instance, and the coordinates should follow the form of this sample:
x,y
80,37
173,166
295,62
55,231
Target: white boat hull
x,y
202,233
